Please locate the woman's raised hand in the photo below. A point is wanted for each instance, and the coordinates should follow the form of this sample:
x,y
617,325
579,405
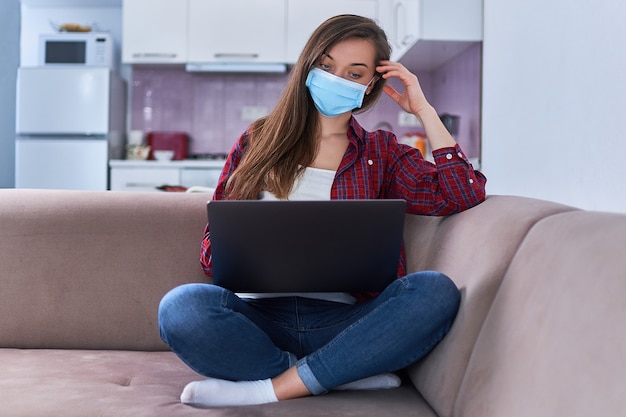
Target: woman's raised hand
x,y
412,99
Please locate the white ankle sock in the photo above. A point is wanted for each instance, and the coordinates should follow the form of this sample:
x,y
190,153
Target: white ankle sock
x,y
382,381
218,392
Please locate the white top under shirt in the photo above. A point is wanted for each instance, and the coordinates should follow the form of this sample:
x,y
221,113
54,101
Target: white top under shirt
x,y
313,184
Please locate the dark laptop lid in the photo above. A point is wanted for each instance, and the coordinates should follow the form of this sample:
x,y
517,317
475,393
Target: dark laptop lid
x,y
305,246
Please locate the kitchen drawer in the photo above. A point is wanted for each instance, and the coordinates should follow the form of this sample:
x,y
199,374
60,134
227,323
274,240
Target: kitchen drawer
x,y
143,179
199,177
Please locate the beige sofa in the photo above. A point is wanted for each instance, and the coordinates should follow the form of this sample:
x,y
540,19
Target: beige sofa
x,y
541,330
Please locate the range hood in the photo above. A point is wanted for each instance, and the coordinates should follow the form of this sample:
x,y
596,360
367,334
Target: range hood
x,y
235,67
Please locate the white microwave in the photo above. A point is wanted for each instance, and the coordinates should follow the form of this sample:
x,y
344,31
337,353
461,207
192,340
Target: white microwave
x,y
89,49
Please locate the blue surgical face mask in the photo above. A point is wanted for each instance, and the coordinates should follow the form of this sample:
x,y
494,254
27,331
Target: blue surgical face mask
x,y
334,95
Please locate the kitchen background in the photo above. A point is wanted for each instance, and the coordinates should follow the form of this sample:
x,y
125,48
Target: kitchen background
x,y
552,89
208,106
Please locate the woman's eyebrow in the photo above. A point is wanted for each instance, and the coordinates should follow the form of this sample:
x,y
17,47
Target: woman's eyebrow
x,y
355,64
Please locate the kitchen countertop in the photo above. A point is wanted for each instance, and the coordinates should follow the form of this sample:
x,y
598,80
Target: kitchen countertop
x,y
185,163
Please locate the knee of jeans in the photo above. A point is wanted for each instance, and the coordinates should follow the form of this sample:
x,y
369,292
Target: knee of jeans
x,y
442,290
182,303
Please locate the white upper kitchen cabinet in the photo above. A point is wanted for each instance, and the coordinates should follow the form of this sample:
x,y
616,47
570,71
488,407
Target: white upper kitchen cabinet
x,y
445,29
237,31
423,33
154,31
401,21
305,16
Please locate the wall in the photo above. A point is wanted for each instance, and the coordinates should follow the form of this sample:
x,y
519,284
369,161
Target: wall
x,y
554,100
208,106
456,90
9,45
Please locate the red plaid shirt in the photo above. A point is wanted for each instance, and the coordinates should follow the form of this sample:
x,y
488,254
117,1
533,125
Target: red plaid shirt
x,y
375,165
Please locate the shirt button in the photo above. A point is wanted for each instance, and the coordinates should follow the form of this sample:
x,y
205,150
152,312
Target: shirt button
x,y
370,162
471,181
449,156
460,155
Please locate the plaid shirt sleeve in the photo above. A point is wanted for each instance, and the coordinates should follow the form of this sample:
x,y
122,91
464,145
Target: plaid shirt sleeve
x,y
377,166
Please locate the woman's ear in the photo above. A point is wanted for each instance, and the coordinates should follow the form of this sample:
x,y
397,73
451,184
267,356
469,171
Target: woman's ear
x,y
371,84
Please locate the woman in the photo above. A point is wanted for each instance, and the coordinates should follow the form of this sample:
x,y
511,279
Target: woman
x,y
259,348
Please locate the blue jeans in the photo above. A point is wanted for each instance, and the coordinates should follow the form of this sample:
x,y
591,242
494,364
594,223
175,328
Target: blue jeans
x,y
219,335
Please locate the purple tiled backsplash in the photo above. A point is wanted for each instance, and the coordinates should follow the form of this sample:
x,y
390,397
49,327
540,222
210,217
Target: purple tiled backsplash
x,y
208,106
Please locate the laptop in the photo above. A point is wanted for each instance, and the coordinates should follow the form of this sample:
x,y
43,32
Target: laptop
x,y
305,246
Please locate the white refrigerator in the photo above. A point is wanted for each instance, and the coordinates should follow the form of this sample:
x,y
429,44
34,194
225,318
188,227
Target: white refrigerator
x,y
69,122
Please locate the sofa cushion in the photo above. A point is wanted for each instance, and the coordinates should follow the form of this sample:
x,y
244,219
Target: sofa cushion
x,y
554,341
81,383
474,248
87,269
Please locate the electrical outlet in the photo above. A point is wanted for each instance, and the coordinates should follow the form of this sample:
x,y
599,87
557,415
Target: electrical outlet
x,y
408,120
251,113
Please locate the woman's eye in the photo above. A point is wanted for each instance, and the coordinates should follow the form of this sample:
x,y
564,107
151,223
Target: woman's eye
x,y
325,67
355,76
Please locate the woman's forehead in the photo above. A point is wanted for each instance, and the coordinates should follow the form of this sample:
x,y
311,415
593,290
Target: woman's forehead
x,y
353,51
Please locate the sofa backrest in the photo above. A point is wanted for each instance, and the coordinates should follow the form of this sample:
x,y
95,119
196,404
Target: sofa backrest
x,y
474,249
87,270
554,341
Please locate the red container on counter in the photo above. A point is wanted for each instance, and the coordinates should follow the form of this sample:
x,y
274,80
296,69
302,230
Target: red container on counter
x,y
168,141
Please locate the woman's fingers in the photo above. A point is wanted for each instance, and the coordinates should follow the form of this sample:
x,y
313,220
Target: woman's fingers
x,y
412,99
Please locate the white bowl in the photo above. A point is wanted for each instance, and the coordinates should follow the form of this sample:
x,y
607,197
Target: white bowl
x,y
163,155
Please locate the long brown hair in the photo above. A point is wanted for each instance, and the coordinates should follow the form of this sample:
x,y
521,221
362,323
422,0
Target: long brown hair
x,y
284,142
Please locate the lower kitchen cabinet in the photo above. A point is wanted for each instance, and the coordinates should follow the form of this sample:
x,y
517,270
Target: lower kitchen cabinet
x,y
130,175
